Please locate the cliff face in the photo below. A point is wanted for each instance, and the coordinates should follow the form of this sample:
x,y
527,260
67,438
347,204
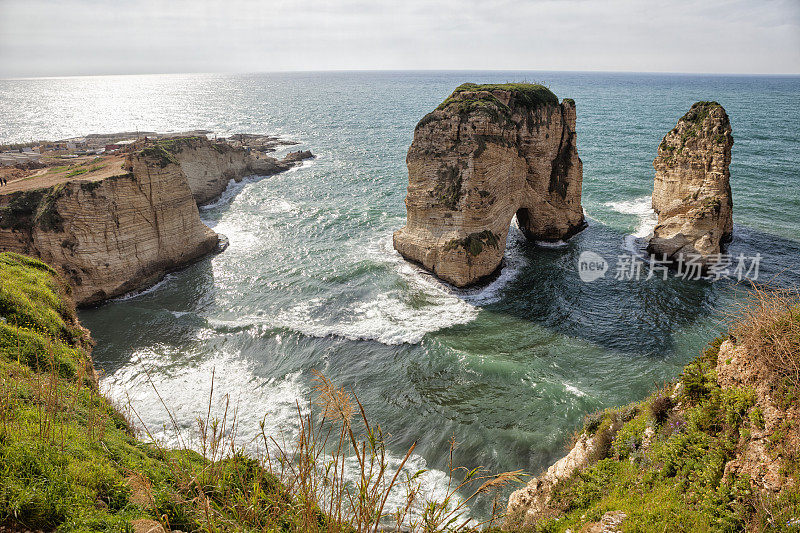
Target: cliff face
x,y
692,192
210,166
486,153
111,230
111,236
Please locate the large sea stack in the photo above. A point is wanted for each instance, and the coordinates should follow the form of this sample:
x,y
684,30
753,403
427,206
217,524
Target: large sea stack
x,y
486,153
692,191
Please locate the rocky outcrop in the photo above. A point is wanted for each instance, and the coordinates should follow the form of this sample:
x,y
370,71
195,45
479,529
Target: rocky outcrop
x,y
692,192
487,153
530,504
111,236
210,166
737,368
122,232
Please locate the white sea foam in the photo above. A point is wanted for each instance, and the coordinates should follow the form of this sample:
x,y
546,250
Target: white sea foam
x,y
148,290
642,208
551,244
387,318
233,188
574,390
305,164
418,277
185,388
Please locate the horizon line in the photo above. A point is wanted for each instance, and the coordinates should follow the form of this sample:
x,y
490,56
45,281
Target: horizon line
x,y
315,71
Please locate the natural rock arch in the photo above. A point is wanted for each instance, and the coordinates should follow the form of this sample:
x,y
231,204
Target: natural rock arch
x,y
487,153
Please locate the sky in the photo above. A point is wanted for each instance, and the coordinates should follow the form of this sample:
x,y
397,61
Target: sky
x,y
84,37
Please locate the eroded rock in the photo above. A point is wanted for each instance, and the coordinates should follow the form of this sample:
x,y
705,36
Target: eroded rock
x,y
531,504
210,166
692,192
125,231
487,153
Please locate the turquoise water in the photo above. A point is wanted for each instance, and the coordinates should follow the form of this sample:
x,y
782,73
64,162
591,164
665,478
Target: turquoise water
x,y
310,280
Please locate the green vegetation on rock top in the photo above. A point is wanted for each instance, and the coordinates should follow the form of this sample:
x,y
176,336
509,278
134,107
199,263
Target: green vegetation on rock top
x,y
530,95
175,145
699,111
160,154
470,97
34,207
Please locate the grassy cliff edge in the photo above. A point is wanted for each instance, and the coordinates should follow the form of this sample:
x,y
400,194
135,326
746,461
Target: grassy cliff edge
x,y
70,461
717,450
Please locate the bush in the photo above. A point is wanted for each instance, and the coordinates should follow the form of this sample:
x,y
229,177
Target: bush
x,y
660,408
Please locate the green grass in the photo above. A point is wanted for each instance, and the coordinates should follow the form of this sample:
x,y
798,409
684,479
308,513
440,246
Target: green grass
x,y
79,171
695,118
66,453
677,483
164,150
177,144
530,95
160,154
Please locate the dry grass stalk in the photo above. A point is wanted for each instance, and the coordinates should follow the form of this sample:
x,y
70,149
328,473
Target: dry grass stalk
x,y
336,468
767,324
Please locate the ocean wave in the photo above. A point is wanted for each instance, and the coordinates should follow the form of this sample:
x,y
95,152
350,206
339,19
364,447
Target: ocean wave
x,y
135,294
640,207
305,164
388,319
231,191
551,244
148,383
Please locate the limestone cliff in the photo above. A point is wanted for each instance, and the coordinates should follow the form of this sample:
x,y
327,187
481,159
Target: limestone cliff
x,y
486,153
118,224
110,236
210,166
692,192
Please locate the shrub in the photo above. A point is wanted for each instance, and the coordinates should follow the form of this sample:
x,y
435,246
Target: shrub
x,y
660,408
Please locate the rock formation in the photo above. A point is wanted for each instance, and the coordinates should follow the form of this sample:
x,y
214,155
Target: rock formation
x,y
530,504
486,153
210,166
692,192
126,229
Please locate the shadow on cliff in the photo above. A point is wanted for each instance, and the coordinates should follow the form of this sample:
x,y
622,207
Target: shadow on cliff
x,y
630,316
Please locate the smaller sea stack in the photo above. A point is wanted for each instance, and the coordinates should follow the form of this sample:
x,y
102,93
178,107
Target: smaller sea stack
x,y
692,191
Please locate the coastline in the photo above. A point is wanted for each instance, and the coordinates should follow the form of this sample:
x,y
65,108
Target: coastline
x,y
119,223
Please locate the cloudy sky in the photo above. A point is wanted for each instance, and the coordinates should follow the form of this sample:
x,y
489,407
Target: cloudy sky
x,y
71,37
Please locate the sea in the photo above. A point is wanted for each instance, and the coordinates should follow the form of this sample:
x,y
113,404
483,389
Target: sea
x,y
310,282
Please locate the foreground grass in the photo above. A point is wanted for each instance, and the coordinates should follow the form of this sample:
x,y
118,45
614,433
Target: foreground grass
x,y
71,461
